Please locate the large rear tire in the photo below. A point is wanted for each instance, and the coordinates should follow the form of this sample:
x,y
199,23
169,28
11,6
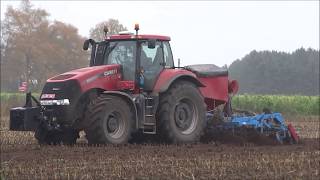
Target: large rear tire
x,y
111,121
182,113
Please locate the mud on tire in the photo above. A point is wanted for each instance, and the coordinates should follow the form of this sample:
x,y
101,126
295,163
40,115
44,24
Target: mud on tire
x,y
181,113
110,121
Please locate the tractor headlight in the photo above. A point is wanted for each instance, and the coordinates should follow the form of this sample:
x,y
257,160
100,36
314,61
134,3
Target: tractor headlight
x,y
59,102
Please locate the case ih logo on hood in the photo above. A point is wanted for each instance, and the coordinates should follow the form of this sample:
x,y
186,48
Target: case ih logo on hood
x,y
110,72
48,96
104,74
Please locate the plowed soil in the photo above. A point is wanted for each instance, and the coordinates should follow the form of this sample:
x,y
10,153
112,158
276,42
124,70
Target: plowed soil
x,y
22,158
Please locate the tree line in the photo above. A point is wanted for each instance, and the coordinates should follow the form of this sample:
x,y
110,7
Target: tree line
x,y
272,72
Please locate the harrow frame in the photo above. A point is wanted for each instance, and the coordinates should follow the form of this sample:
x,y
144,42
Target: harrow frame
x,y
268,124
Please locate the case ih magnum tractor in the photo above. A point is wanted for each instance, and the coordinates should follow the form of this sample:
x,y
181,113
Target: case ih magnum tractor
x,y
131,87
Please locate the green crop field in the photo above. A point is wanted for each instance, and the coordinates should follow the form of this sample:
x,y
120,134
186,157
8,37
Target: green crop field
x,y
288,105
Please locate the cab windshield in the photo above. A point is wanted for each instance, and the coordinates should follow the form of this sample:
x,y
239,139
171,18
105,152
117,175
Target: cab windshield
x,y
121,52
118,52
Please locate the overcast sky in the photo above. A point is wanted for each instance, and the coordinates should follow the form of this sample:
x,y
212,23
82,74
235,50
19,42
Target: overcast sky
x,y
201,32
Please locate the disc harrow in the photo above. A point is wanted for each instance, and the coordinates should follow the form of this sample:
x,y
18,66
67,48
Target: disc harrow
x,y
253,126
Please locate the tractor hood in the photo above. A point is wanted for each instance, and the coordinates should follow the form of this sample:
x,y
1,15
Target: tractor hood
x,y
85,73
61,94
91,77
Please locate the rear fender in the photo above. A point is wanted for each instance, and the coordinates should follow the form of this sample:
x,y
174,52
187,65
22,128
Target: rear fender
x,y
128,99
169,76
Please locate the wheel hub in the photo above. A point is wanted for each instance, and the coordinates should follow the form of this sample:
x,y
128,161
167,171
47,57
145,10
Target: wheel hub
x,y
112,124
115,124
183,116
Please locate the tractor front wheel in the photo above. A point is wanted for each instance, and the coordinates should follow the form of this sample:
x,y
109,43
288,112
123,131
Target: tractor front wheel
x,y
182,113
111,121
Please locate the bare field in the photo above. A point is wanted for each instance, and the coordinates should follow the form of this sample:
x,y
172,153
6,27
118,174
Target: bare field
x,y
22,158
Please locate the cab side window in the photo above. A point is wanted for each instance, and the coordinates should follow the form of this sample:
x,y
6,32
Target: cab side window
x,y
168,59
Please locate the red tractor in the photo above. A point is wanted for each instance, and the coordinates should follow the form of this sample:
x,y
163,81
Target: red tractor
x,y
131,87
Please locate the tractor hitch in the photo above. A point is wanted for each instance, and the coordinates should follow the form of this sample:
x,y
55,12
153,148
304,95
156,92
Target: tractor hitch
x,y
26,118
31,118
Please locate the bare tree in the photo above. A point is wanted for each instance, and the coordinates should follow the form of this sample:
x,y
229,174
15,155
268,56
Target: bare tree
x,y
113,25
34,48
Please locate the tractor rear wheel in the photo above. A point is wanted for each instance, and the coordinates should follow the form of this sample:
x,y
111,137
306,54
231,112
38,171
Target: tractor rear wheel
x,y
111,121
182,113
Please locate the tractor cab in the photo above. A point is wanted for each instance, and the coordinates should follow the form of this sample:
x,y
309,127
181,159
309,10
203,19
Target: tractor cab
x,y
142,57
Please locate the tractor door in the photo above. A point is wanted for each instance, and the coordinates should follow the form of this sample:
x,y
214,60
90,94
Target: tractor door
x,y
123,53
152,63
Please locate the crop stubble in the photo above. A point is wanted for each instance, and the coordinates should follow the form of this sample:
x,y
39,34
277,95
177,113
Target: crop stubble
x,y
22,158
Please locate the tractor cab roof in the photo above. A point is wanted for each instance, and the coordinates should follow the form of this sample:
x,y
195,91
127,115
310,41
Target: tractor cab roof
x,y
129,36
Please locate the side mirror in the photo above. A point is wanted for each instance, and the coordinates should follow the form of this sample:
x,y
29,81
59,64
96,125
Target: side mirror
x,y
151,43
86,44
